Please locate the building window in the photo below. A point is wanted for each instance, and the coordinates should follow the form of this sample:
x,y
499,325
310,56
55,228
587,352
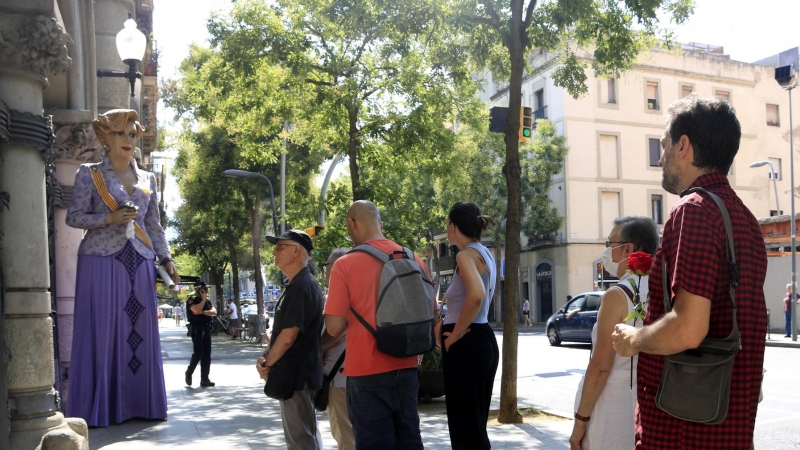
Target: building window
x,y
652,95
539,99
654,151
776,164
773,119
612,90
610,210
609,167
657,208
722,95
686,90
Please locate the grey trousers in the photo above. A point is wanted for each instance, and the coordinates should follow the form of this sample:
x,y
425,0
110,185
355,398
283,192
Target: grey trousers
x,y
300,421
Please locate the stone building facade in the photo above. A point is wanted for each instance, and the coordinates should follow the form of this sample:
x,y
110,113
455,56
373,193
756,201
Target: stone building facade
x,y
50,52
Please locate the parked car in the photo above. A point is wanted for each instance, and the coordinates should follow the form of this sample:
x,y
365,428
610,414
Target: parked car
x,y
575,320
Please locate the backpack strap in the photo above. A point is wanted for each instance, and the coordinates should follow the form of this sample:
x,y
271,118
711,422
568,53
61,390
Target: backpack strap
x,y
626,290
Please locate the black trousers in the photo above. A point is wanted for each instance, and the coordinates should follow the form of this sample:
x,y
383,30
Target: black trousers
x,y
201,346
469,370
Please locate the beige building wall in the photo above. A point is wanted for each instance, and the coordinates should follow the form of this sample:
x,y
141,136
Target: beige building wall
x,y
608,170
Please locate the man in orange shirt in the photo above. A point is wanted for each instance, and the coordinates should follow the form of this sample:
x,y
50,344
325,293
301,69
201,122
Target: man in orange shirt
x,y
382,388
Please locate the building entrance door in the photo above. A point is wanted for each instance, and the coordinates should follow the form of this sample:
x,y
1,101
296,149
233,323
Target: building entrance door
x,y
544,292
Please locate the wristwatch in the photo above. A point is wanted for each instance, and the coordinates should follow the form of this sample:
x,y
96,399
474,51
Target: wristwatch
x,y
582,418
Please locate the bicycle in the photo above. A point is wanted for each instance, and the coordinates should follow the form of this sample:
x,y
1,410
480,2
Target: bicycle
x,y
220,324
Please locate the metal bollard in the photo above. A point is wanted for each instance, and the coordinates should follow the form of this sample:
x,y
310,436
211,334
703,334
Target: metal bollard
x,y
769,335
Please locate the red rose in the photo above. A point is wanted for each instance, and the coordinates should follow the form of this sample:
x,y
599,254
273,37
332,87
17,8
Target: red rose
x,y
639,263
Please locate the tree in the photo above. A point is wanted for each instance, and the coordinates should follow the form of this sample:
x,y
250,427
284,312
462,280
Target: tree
x,y
499,34
380,73
241,125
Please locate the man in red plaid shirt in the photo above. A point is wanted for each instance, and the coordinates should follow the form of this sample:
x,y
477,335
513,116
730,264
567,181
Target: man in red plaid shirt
x,y
700,142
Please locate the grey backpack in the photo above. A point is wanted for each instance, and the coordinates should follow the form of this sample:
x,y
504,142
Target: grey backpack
x,y
404,314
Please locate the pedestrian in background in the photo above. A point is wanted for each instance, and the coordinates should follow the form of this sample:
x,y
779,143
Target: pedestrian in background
x,y
232,312
526,313
200,313
700,142
470,354
607,391
787,309
332,350
178,311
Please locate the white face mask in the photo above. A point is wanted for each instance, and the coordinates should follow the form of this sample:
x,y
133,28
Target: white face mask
x,y
609,265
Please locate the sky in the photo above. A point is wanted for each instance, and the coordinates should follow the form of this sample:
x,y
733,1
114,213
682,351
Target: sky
x,y
748,31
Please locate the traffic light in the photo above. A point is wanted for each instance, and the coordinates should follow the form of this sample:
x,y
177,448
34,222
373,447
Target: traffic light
x,y
599,271
525,123
498,116
314,231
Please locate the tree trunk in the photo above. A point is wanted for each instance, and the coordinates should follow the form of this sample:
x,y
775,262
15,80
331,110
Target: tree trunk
x,y
217,278
352,153
508,384
229,240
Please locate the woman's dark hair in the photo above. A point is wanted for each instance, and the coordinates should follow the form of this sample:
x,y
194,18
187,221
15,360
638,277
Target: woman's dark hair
x,y
640,231
712,128
469,220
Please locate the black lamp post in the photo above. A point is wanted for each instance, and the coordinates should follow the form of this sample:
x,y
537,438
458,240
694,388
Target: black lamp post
x,y
244,174
131,45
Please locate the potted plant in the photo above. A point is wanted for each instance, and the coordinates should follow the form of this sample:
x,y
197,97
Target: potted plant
x,y
431,375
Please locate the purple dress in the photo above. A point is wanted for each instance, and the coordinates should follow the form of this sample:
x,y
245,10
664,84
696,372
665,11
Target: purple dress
x,y
116,372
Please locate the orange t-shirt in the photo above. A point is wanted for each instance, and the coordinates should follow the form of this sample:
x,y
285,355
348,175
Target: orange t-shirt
x,y
354,283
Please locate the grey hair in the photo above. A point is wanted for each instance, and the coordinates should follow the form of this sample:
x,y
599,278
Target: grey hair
x,y
640,231
788,286
336,254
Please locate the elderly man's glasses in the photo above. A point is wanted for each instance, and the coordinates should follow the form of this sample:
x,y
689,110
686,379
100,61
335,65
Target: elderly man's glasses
x,y
610,243
280,247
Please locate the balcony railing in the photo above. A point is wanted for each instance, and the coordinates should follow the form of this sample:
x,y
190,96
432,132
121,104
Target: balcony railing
x,y
546,240
540,113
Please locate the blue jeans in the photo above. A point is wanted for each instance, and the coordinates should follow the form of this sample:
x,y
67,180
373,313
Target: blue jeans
x,y
383,410
788,322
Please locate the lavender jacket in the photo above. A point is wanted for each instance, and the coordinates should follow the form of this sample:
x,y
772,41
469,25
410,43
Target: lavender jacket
x,y
87,211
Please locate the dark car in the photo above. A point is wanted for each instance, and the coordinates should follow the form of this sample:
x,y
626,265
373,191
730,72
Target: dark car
x,y
575,320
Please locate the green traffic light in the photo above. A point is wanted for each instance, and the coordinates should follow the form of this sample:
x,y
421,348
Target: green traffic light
x,y
526,132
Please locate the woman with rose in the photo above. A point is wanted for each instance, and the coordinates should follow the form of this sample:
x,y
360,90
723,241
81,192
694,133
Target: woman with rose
x,y
116,372
606,398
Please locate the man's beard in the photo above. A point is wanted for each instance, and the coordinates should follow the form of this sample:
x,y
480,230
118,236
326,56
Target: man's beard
x,y
670,180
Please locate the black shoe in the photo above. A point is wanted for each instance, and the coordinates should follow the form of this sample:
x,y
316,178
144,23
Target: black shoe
x,y
207,383
788,335
188,378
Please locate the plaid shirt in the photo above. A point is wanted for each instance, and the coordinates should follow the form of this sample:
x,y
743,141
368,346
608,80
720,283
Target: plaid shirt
x,y
694,245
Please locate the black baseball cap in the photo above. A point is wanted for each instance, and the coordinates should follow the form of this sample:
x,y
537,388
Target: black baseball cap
x,y
293,235
200,284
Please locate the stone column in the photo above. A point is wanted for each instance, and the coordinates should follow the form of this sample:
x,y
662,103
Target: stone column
x,y
75,144
34,47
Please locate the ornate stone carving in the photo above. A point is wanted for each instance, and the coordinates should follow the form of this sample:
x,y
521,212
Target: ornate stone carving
x,y
31,130
34,42
77,142
61,195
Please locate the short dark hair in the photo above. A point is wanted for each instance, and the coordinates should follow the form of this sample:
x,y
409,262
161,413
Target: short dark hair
x,y
640,231
469,220
712,128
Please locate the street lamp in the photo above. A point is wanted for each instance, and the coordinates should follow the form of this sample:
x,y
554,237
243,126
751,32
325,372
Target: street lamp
x,y
774,183
131,45
785,77
244,174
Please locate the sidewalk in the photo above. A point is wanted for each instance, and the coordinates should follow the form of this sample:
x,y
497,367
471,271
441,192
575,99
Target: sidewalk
x,y
235,414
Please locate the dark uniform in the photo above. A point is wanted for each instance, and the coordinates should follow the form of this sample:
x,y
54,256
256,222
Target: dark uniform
x,y
201,340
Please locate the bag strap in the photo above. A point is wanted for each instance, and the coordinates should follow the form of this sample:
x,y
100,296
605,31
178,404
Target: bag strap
x,y
335,368
100,185
726,219
626,290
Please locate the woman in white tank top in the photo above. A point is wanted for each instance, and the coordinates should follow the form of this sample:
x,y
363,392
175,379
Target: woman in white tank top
x,y
606,397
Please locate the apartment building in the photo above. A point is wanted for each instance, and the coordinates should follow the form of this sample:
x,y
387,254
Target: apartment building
x,y
612,168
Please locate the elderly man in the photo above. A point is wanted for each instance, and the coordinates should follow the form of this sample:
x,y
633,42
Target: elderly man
x,y
383,387
700,141
296,336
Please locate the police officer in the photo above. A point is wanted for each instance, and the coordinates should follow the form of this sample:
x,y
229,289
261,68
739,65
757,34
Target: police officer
x,y
199,314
